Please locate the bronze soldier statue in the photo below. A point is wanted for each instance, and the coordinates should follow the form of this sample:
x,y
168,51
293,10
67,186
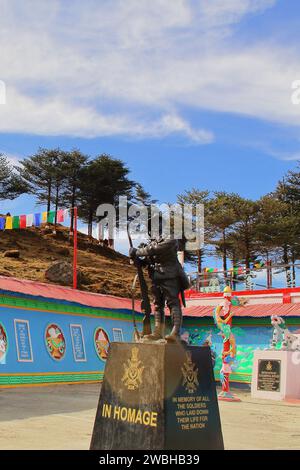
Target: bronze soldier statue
x,y
168,281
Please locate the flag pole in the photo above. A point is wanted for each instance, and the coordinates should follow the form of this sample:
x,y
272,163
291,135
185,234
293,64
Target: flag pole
x,y
75,248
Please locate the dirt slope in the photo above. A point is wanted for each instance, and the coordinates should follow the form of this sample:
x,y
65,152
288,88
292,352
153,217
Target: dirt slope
x,y
105,271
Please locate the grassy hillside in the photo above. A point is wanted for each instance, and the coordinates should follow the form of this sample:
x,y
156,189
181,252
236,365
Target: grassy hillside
x,y
105,271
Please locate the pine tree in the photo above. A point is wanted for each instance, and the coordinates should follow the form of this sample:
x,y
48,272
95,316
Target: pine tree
x,y
10,186
288,225
194,197
140,197
102,180
74,162
221,217
243,235
37,174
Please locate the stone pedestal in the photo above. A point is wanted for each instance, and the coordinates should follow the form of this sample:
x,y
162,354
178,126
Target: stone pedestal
x,y
276,375
157,396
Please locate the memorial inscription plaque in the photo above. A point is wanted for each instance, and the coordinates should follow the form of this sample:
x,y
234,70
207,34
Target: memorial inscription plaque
x,y
157,396
268,379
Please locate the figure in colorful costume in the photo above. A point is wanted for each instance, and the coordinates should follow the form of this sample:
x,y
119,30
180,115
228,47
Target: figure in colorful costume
x,y
282,338
223,320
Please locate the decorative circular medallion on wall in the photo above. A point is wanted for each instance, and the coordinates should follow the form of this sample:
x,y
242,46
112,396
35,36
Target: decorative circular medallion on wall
x,y
3,342
101,342
55,341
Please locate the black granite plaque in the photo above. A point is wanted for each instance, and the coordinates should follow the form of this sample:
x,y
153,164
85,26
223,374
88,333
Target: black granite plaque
x,y
157,396
268,379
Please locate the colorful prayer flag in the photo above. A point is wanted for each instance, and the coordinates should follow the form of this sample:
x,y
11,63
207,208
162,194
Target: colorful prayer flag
x,y
29,220
51,217
16,221
37,219
8,223
60,216
22,221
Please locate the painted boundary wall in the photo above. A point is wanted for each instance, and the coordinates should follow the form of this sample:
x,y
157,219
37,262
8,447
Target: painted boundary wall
x,y
45,341
48,341
251,334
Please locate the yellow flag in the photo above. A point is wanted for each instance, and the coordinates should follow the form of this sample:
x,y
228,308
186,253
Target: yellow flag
x,y
8,223
44,216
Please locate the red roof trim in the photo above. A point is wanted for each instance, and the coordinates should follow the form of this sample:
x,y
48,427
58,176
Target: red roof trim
x,y
89,299
53,291
256,311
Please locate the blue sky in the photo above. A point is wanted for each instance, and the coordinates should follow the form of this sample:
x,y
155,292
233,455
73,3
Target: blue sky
x,y
187,93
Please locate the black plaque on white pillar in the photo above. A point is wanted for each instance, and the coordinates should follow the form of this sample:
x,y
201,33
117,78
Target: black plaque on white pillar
x,y
268,376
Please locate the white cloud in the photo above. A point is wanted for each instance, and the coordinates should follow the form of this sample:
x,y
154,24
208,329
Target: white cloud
x,y
276,153
128,68
172,123
53,116
290,156
219,12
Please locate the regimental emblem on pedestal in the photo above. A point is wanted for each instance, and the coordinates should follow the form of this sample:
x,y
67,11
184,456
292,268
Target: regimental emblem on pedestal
x,y
190,374
133,370
269,366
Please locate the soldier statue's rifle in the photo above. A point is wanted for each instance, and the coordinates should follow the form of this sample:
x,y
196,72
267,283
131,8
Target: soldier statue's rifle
x,y
146,305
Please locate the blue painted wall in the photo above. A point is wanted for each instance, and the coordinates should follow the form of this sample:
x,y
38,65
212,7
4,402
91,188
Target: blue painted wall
x,y
42,361
248,339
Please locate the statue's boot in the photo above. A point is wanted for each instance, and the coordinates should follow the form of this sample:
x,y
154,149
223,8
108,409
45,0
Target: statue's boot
x,y
158,327
156,335
173,337
176,315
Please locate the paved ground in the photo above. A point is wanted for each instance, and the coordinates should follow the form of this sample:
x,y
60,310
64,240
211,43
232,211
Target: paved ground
x,y
62,417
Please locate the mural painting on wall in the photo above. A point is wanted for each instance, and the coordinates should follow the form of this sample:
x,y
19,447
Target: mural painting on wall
x,y
249,339
3,343
101,342
282,337
55,341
